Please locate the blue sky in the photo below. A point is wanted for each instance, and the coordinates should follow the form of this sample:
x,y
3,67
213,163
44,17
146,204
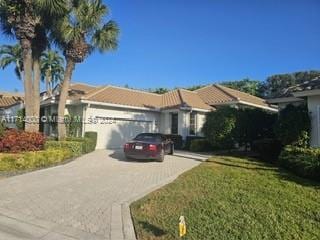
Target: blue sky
x,y
169,43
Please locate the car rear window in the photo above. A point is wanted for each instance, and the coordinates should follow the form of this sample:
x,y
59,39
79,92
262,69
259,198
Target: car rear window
x,y
148,138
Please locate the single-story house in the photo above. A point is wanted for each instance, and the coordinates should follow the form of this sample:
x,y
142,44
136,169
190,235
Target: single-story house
x,y
305,93
118,114
10,103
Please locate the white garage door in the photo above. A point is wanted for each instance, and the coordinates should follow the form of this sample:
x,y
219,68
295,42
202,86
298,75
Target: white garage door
x,y
114,134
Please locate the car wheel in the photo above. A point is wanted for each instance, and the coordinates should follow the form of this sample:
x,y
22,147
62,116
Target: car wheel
x,y
161,158
171,150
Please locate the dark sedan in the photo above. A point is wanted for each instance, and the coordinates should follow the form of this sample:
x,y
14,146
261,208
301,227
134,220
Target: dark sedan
x,y
149,146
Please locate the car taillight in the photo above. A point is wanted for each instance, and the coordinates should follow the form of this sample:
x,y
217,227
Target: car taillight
x,y
152,147
127,146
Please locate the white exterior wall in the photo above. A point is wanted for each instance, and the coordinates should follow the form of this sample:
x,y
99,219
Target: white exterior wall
x,y
313,106
113,134
10,113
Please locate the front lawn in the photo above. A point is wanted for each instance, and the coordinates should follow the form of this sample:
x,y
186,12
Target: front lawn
x,y
232,198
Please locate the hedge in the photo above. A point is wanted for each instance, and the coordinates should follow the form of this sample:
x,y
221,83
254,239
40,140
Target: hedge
x,y
200,145
93,136
189,139
177,140
75,147
304,162
34,160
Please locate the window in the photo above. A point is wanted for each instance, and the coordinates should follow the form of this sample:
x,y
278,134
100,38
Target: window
x,y
174,123
192,129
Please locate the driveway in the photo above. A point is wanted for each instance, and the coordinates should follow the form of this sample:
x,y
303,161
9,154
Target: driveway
x,y
84,199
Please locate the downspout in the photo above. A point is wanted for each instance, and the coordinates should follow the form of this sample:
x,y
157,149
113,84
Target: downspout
x,y
84,119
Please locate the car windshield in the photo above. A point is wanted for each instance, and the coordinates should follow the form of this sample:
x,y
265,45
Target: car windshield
x,y
148,137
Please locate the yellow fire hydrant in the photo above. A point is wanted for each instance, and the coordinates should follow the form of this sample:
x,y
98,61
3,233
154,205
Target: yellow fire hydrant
x,y
182,226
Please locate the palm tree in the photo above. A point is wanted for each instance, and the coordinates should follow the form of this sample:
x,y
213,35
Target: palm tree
x,y
12,54
25,20
51,69
78,34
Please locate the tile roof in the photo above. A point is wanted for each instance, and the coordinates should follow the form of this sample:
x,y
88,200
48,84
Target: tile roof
x,y
205,98
305,86
217,95
10,99
124,96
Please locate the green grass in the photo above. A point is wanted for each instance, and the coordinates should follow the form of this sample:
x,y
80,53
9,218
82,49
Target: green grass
x,y
232,198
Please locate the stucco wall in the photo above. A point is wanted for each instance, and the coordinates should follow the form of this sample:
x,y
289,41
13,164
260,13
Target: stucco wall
x,y
313,104
9,115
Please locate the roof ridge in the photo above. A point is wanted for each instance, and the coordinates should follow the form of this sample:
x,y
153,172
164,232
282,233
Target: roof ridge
x,y
181,97
95,92
80,83
223,90
248,94
136,90
209,85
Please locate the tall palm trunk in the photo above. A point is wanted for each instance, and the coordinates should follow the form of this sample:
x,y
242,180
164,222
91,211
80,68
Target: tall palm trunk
x,y
36,88
63,98
28,88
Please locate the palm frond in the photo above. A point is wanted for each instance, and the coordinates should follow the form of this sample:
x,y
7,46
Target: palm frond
x,y
106,38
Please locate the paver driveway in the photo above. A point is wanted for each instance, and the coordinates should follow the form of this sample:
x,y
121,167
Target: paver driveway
x,y
82,199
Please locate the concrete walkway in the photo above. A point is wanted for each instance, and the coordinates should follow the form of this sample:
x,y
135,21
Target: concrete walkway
x,y
86,199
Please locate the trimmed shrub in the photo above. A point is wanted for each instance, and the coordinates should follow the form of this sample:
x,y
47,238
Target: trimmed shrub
x,y
93,136
20,141
76,148
33,160
268,149
219,127
2,128
177,140
200,145
304,162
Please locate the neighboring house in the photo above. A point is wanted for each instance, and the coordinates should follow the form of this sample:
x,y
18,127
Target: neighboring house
x,y
118,114
305,93
10,103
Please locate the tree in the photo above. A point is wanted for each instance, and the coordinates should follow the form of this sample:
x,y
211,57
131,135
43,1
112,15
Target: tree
x,y
78,34
51,69
12,55
26,21
159,90
246,85
276,84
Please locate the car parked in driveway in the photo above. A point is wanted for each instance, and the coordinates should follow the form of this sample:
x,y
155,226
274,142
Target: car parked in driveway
x,y
149,146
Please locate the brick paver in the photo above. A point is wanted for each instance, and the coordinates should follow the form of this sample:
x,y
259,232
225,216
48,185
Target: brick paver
x,y
77,200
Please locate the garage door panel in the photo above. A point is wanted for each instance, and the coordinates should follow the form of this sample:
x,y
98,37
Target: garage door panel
x,y
112,136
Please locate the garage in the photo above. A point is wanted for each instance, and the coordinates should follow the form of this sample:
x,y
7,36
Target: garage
x,y
114,134
115,126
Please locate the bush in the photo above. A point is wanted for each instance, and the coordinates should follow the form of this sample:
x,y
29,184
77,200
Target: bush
x,y
304,162
200,145
76,148
293,126
219,127
88,144
177,140
93,136
33,160
268,149
20,141
189,139
252,125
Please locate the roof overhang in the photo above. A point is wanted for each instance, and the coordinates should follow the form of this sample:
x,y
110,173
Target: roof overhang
x,y
271,109
307,93
284,100
120,106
